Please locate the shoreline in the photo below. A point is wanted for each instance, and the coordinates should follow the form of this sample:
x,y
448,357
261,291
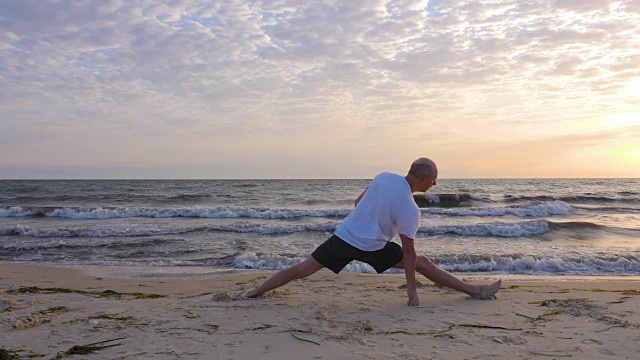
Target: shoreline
x,y
187,272
326,316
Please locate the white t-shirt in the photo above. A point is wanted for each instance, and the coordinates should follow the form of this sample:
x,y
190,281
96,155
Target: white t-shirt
x,y
386,209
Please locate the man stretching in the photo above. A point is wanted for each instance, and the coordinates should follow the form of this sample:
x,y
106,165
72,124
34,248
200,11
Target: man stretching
x,y
384,209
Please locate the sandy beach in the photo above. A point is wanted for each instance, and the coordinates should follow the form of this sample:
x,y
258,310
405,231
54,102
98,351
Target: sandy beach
x,y
51,311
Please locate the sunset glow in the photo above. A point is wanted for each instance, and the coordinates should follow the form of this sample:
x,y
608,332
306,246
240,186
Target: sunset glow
x,y
631,154
328,89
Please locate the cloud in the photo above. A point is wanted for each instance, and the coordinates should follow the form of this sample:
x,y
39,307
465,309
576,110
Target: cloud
x,y
632,6
131,72
584,6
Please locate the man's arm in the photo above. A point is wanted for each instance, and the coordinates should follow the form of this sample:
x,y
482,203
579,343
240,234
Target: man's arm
x,y
409,259
361,195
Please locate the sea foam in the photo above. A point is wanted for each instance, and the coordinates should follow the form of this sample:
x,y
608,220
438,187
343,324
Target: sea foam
x,y
16,211
527,210
579,265
197,212
530,210
521,229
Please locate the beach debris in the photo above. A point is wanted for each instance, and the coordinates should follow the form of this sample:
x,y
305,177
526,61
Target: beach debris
x,y
582,307
485,296
225,296
107,316
527,316
8,304
122,322
214,327
278,293
257,278
30,321
87,349
535,291
622,300
445,333
190,314
293,333
551,355
39,318
418,285
511,287
105,293
406,332
8,354
360,327
574,307
180,330
263,327
483,326
363,326
56,310
624,292
18,354
195,296
540,317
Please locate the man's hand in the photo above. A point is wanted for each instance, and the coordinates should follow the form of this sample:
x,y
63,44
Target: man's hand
x,y
413,297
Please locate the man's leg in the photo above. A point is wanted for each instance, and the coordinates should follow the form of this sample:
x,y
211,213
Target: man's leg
x,y
285,276
441,277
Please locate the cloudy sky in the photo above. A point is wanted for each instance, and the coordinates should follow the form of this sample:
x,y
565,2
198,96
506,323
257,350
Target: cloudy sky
x,y
322,89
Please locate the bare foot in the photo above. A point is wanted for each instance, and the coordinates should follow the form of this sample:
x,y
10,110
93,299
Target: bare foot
x,y
488,292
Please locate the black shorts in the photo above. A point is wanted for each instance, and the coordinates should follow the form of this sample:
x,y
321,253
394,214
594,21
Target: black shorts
x,y
335,254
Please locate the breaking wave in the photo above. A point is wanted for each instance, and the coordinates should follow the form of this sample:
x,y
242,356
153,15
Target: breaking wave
x,y
627,264
627,197
578,264
446,200
500,229
526,210
191,212
529,210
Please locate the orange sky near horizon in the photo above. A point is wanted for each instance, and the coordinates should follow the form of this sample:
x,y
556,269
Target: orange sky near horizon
x,y
326,89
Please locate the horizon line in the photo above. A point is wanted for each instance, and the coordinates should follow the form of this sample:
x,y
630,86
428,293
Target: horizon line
x,y
261,179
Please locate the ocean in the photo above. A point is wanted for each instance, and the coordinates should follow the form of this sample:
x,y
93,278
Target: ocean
x,y
577,227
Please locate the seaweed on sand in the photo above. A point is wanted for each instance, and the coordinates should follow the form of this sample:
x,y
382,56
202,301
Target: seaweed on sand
x,y
105,293
86,349
15,354
8,354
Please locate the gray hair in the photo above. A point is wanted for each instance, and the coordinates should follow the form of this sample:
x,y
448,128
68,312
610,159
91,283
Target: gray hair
x,y
423,167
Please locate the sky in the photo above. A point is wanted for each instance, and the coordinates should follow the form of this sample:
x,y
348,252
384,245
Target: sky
x,y
319,89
